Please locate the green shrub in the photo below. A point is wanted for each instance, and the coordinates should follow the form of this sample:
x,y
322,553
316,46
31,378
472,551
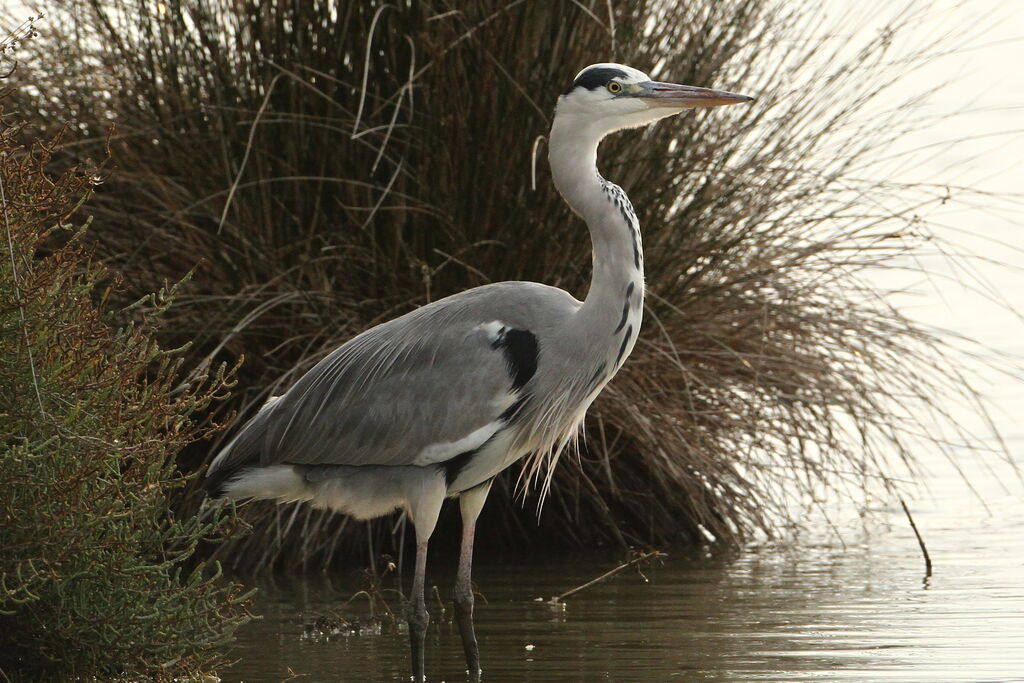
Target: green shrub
x,y
91,416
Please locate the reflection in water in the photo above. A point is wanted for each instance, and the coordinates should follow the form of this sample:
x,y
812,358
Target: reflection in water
x,y
806,610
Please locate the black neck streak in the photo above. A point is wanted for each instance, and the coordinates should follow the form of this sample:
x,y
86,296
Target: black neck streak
x,y
618,198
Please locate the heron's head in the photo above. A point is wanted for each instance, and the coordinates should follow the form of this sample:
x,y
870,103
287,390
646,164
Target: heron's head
x,y
608,97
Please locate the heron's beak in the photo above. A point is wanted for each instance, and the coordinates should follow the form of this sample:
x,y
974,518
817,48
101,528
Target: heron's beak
x,y
674,96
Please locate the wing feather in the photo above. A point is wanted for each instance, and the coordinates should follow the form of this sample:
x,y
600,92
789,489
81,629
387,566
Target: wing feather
x,y
409,391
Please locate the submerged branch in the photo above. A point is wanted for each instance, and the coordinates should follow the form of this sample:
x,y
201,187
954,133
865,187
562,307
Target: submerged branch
x,y
920,541
653,554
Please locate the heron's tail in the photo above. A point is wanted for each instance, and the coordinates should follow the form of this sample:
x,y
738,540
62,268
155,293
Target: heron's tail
x,y
244,450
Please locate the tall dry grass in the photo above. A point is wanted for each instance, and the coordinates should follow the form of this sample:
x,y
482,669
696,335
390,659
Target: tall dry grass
x,y
330,165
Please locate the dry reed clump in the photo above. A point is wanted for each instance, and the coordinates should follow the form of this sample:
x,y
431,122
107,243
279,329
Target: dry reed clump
x,y
330,165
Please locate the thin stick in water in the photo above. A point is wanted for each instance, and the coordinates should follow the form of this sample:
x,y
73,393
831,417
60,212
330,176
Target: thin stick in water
x,y
920,541
636,560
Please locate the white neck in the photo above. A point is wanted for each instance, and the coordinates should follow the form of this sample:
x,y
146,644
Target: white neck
x,y
617,252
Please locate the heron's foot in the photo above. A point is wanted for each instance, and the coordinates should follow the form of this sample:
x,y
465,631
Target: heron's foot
x,y
418,617
464,618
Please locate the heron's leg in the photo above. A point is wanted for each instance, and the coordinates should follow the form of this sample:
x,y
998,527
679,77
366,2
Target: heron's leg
x,y
416,614
423,508
471,503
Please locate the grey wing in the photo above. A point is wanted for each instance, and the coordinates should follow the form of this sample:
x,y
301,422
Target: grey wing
x,y
417,390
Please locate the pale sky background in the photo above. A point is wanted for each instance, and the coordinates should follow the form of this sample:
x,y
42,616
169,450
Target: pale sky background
x,y
979,144
985,107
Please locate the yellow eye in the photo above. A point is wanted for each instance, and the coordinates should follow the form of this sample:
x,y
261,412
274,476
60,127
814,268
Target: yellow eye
x,y
614,87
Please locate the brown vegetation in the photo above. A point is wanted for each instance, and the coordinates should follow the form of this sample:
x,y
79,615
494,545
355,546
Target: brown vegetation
x,y
326,166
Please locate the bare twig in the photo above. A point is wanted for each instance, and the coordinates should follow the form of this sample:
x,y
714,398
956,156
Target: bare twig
x,y
17,297
920,541
248,150
653,554
292,676
440,603
366,67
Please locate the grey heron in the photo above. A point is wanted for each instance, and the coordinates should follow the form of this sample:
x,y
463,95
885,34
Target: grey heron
x,y
435,403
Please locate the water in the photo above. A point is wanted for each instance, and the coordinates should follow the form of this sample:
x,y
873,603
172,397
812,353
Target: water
x,y
804,609
818,606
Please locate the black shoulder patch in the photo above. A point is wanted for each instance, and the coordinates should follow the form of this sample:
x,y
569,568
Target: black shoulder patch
x,y
453,466
594,78
521,349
